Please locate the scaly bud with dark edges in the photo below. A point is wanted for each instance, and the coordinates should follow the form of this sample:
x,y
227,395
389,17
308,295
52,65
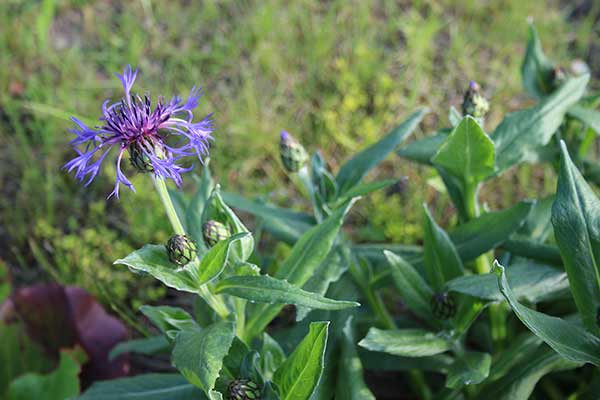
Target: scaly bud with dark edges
x,y
181,249
138,153
214,231
293,154
474,104
443,306
243,389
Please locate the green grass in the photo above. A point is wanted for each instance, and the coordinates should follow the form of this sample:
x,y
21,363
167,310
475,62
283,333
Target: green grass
x,y
336,74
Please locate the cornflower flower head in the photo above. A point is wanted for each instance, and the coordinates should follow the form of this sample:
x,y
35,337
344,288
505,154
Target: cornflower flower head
x,y
157,137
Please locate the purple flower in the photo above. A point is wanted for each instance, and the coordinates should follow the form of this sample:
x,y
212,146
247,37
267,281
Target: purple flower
x,y
156,138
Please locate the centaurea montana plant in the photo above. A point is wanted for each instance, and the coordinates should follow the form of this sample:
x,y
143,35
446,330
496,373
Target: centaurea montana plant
x,y
224,351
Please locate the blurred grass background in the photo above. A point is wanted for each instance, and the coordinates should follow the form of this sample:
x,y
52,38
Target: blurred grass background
x,y
337,74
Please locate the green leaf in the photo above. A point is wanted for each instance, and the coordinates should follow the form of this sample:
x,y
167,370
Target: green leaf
x,y
519,348
441,258
566,338
423,150
198,354
330,270
468,153
520,380
470,368
144,387
362,189
300,373
311,249
529,280
153,259
351,384
271,356
213,262
148,346
537,71
170,320
284,224
266,289
588,116
357,167
521,134
60,384
387,362
405,342
306,256
576,222
217,209
488,231
414,291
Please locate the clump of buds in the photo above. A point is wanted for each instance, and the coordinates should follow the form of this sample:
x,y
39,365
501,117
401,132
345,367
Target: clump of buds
x,y
243,389
474,103
293,155
443,306
181,249
214,231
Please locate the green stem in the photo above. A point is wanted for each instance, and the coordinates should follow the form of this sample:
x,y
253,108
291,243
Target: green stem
x,y
215,302
482,266
417,379
163,193
373,299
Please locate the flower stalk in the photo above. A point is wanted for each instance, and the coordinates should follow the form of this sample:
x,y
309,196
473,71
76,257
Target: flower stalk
x,y
214,301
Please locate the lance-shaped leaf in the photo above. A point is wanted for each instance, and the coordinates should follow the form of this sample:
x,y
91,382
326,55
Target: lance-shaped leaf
x,y
521,134
520,380
282,223
588,116
213,262
170,320
566,338
216,209
537,71
300,373
351,384
576,222
307,254
441,259
405,342
529,280
469,368
357,167
198,354
414,291
147,387
266,289
423,150
468,153
330,270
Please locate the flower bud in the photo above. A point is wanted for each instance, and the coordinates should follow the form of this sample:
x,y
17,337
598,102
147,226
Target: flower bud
x,y
181,249
474,104
214,231
138,153
443,306
293,154
243,389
